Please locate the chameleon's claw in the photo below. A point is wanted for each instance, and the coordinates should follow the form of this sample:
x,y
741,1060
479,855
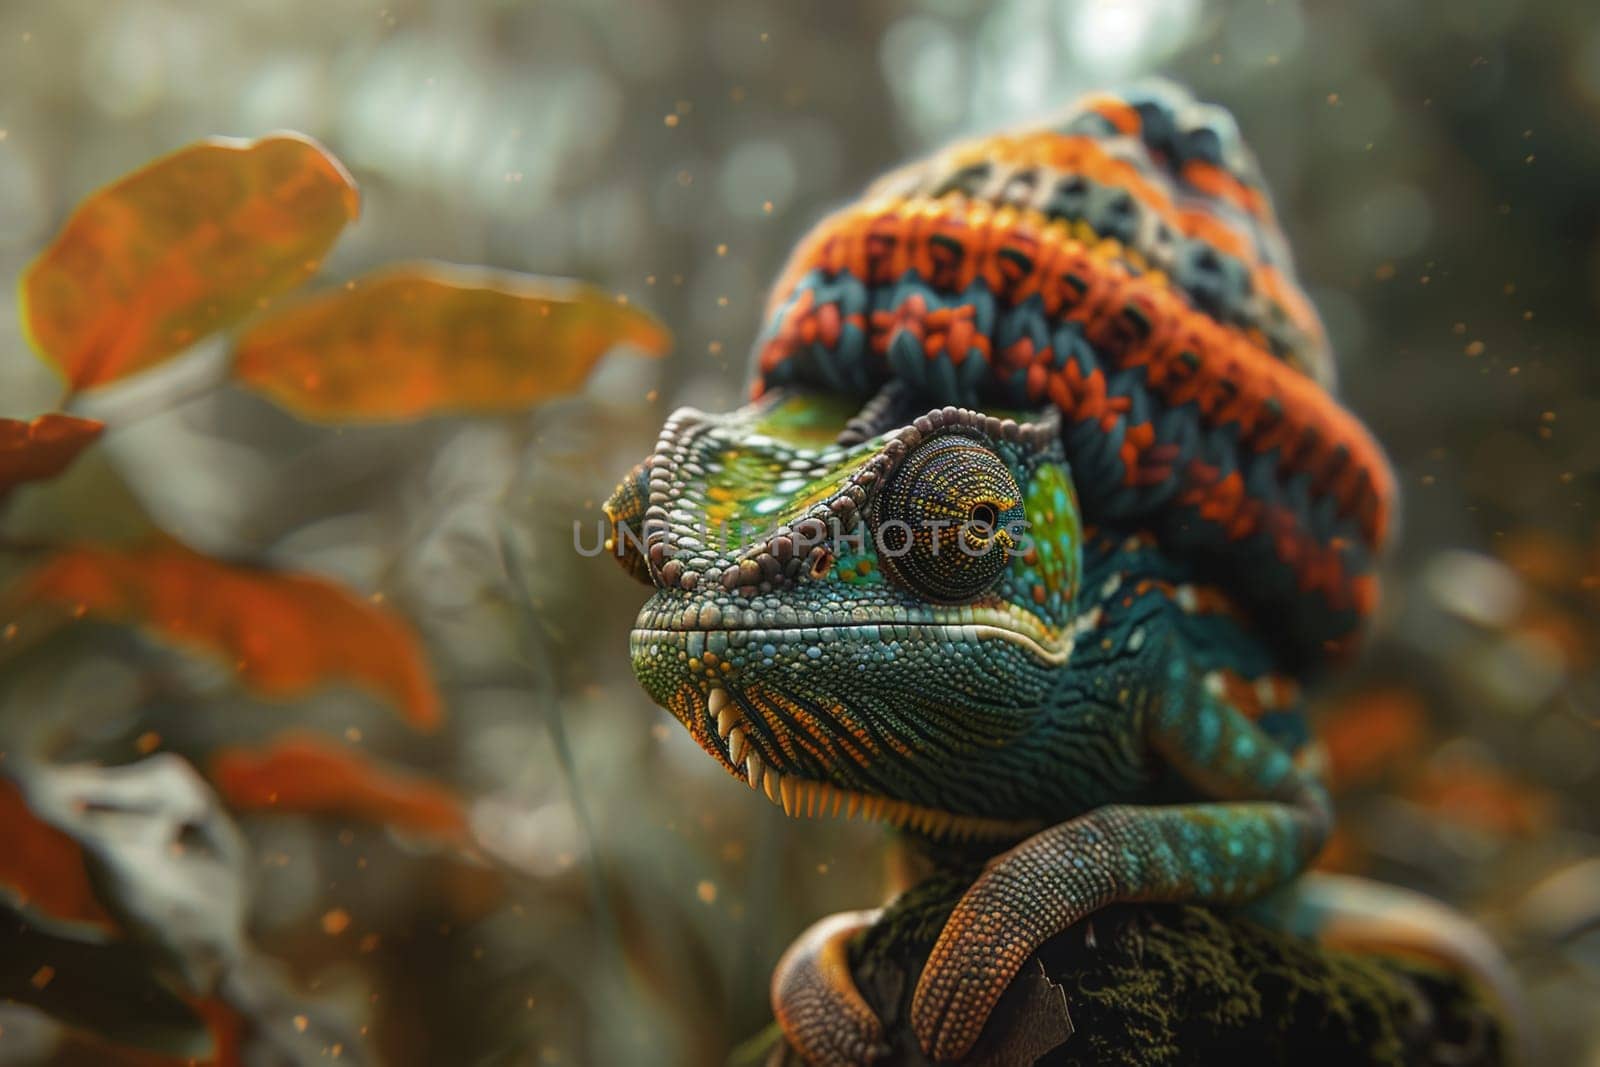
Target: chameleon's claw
x,y
821,1012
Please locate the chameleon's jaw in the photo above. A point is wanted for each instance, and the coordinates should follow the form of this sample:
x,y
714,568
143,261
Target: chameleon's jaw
x,y
725,738
798,747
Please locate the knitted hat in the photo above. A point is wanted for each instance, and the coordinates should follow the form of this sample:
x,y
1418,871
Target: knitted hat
x,y
1123,264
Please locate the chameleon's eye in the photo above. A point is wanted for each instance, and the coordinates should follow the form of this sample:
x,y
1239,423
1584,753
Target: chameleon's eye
x,y
946,522
625,524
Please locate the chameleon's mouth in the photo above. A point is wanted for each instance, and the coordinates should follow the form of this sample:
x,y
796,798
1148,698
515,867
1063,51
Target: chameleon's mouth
x,y
813,799
1051,649
763,736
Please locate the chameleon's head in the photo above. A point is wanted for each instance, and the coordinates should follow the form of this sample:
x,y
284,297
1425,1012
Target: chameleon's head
x,y
857,614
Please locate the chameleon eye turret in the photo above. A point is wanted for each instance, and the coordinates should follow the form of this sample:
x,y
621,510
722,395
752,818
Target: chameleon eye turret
x,y
949,519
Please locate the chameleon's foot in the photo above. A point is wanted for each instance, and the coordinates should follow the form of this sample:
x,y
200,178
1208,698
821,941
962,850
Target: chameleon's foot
x,y
817,1004
1025,897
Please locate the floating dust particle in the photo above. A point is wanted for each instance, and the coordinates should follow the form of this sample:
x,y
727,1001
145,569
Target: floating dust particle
x,y
1459,329
722,301
661,732
622,298
822,868
352,735
370,942
43,976
10,632
335,922
148,742
706,891
1384,272
1333,99
1428,479
715,348
684,177
722,250
652,396
1474,349
301,1022
649,279
670,120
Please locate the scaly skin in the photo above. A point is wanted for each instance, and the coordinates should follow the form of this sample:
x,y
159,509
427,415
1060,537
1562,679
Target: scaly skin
x,y
1105,698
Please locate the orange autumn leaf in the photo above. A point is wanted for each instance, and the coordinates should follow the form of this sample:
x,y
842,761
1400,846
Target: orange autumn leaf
x,y
180,248
43,866
305,774
432,338
1370,733
284,634
43,448
1476,795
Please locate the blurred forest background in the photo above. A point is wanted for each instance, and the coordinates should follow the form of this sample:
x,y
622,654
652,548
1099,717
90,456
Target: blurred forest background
x,y
615,898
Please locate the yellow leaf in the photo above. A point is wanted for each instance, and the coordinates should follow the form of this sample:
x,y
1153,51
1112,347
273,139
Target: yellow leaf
x,y
432,338
180,248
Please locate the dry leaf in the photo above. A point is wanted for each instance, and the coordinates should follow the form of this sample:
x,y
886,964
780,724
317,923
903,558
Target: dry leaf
x,y
43,448
305,774
43,866
180,248
284,634
431,338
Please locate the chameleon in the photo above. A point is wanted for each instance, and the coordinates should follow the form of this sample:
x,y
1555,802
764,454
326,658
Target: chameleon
x,y
1042,517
